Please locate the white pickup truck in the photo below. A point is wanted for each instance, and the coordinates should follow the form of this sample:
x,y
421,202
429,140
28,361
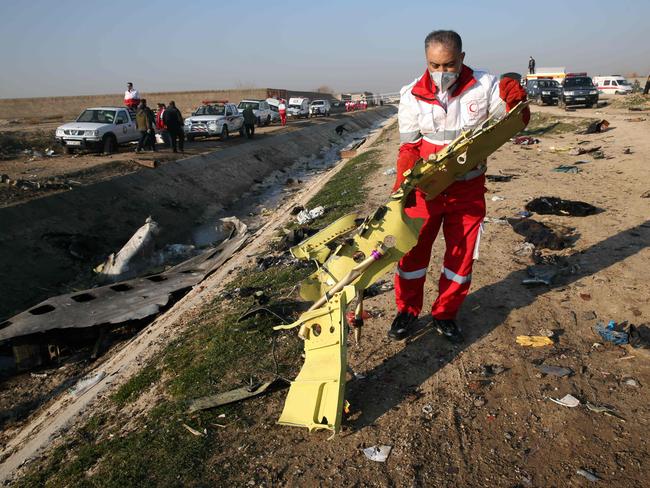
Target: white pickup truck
x,y
261,109
98,129
214,118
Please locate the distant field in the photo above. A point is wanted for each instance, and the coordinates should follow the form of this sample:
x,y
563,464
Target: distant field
x,y
52,109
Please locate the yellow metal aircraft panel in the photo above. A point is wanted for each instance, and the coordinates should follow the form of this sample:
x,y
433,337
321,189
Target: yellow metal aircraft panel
x,y
316,396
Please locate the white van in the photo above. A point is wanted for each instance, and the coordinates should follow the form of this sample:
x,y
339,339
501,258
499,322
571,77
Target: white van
x,y
612,85
298,107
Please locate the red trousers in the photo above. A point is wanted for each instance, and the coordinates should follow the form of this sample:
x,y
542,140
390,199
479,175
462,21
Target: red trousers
x,y
283,117
460,210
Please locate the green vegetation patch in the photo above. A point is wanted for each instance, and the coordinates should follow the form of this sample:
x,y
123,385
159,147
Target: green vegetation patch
x,y
346,190
132,389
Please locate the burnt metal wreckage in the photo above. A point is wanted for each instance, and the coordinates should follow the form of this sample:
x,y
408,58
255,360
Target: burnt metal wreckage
x,y
113,305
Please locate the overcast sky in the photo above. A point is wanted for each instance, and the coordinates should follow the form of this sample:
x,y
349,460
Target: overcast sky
x,y
69,47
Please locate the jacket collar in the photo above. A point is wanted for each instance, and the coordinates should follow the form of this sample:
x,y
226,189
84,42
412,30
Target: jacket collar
x,y
425,89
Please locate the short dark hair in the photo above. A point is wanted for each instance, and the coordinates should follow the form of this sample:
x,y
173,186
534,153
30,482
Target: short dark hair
x,y
448,38
129,83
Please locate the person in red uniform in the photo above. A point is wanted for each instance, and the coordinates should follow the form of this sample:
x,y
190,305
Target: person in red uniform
x,y
160,125
434,109
282,110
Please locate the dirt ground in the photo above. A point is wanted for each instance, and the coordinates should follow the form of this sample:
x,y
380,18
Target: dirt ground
x,y
86,167
450,422
479,414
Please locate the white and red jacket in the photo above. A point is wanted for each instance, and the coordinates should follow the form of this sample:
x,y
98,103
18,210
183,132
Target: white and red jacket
x,y
131,98
430,119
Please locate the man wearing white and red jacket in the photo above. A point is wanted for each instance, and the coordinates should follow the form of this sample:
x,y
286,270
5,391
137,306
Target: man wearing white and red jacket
x,y
282,110
131,97
450,97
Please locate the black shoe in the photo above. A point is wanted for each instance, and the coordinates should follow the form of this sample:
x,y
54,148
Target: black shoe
x,y
448,329
399,329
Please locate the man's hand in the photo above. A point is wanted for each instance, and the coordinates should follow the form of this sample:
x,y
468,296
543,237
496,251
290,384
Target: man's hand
x,y
512,93
405,161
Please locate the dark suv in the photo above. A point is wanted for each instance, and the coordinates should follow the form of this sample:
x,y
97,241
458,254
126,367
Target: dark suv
x,y
578,90
543,91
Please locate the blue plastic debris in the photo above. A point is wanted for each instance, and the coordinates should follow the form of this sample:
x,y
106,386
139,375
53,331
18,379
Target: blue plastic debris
x,y
610,334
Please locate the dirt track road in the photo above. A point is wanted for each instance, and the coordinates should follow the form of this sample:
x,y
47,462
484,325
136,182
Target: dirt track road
x,y
87,168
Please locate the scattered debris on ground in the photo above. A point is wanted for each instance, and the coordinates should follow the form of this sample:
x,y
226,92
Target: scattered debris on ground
x,y
567,400
237,395
558,371
587,474
500,178
559,206
84,384
378,454
567,168
525,140
597,127
542,236
305,216
534,341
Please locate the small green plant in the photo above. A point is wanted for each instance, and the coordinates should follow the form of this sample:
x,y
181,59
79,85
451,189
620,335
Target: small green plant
x,y
133,388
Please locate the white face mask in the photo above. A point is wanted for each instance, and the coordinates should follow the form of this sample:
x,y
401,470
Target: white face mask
x,y
443,79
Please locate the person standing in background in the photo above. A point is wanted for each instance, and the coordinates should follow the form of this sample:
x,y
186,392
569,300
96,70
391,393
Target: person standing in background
x,y
160,124
145,122
282,110
249,121
531,66
173,120
131,97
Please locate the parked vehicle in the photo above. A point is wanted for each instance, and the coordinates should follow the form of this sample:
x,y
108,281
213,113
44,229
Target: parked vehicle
x,y
543,91
320,107
260,108
274,103
337,106
98,129
298,107
612,85
578,89
214,118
